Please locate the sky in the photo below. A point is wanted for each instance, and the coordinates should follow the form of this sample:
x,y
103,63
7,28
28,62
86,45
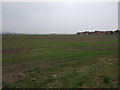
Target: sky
x,y
60,0
119,15
58,17
0,17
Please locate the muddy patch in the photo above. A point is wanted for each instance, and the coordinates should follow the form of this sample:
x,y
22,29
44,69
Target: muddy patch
x,y
14,50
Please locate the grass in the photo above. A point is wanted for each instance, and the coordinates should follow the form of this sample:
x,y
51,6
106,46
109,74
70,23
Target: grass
x,y
106,79
73,79
66,61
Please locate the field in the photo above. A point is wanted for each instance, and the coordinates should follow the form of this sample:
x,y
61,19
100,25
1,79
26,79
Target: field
x,y
60,61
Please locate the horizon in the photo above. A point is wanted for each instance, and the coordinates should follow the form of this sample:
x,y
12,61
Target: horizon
x,y
4,32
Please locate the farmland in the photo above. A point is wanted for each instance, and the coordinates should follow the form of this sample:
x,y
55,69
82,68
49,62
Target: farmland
x,y
60,61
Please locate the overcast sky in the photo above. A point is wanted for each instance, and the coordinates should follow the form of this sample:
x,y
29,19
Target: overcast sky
x,y
59,17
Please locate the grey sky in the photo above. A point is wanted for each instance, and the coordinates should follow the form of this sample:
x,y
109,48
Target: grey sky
x,y
59,17
0,17
119,15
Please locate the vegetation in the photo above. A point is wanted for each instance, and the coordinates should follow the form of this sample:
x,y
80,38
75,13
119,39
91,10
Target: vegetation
x,y
60,61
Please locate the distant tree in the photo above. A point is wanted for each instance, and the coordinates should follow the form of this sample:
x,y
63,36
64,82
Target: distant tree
x,y
111,32
117,31
78,33
89,33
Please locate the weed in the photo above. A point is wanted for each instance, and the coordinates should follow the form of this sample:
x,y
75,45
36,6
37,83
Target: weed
x,y
106,79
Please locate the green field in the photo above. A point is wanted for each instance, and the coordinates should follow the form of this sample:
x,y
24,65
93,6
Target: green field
x,y
60,61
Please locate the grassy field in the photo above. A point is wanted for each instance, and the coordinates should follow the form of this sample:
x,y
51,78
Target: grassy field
x,y
60,61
